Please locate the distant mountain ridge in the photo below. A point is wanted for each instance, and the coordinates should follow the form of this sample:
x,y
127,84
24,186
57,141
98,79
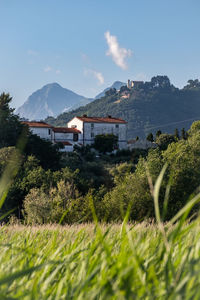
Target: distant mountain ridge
x,y
51,100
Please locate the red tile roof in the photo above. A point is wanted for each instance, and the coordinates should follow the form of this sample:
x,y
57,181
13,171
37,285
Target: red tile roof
x,y
101,120
66,129
37,124
66,143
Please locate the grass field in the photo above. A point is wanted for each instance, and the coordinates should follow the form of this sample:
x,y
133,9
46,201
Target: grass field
x,y
100,262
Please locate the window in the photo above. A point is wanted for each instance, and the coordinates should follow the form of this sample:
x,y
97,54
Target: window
x,y
92,134
75,137
49,131
92,126
116,125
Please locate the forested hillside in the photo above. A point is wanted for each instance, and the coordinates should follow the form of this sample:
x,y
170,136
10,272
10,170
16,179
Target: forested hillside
x,y
147,107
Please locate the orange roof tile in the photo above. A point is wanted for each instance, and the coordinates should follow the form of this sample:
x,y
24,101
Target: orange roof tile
x,y
66,129
66,143
101,120
37,124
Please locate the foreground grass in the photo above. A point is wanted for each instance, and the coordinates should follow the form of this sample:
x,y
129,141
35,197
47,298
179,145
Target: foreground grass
x,y
105,262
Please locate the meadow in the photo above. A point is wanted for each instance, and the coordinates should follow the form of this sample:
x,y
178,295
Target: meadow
x,y
119,261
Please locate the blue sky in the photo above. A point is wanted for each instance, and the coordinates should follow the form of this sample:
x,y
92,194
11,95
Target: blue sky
x,y
86,45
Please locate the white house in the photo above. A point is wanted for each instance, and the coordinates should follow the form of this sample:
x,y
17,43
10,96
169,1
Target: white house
x,y
92,126
42,129
68,137
81,131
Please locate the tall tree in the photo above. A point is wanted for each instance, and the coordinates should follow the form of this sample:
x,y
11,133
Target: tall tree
x,y
10,126
150,137
158,133
183,134
176,134
105,142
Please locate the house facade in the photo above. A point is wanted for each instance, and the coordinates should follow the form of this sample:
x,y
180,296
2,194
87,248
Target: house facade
x,y
42,129
81,131
68,137
92,126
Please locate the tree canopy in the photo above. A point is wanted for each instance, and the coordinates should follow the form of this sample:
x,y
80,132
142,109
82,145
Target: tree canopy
x,y
10,126
105,142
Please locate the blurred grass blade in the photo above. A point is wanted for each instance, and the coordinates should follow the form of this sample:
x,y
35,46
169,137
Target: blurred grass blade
x,y
14,276
157,191
185,209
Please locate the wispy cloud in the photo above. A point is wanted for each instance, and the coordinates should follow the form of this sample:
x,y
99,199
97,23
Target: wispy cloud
x,y
118,54
47,69
96,74
32,52
58,71
84,57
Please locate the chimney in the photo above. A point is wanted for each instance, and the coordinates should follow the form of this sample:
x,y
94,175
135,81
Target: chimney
x,y
109,116
85,116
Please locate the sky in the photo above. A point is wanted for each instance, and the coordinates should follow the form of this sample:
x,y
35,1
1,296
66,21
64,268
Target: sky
x,y
86,45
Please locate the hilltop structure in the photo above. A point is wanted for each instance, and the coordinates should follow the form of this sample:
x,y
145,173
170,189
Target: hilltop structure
x,y
81,131
132,83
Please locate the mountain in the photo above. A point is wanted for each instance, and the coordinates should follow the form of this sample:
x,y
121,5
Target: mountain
x,y
50,100
147,107
116,85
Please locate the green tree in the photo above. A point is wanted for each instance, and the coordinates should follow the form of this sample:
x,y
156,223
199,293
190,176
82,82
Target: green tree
x,y
192,85
124,88
150,137
183,134
160,82
195,128
176,134
110,92
47,153
10,126
132,191
158,133
164,140
105,142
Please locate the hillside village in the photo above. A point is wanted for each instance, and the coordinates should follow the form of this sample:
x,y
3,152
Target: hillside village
x,y
81,131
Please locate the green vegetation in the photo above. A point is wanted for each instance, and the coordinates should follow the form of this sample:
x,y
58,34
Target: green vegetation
x,y
105,142
47,186
151,106
100,262
141,207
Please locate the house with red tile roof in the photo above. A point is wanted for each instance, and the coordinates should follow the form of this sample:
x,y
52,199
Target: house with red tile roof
x,y
67,136
81,131
42,129
92,126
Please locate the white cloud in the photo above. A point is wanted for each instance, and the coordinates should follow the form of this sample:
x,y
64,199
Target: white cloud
x,y
58,71
118,54
96,74
32,52
47,69
84,57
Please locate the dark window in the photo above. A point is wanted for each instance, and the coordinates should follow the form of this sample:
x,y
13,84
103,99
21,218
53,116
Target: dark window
x,y
117,125
92,134
75,137
92,125
49,131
